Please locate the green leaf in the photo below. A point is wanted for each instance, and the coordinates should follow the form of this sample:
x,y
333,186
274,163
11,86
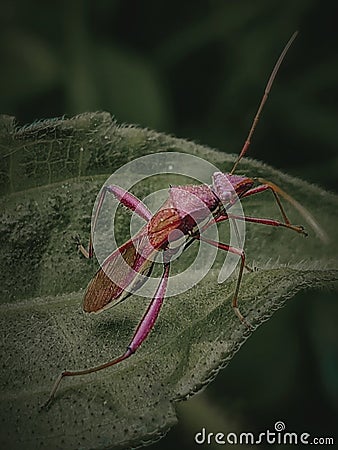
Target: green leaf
x,y
50,174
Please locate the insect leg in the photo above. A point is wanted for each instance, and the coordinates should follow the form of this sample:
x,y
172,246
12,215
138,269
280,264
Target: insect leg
x,y
143,329
130,201
241,253
270,222
266,187
220,218
127,199
276,190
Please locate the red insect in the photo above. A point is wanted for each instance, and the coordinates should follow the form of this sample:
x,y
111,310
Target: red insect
x,y
163,227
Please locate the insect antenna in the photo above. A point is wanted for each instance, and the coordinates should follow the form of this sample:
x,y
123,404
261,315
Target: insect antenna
x,y
263,101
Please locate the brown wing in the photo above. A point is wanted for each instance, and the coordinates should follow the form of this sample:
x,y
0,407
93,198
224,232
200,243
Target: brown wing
x,y
121,270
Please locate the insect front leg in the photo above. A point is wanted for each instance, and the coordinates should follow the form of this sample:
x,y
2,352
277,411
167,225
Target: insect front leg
x,y
143,329
269,186
127,199
270,222
241,253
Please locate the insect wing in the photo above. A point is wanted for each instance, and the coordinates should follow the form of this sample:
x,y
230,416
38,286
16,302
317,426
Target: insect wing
x,y
120,274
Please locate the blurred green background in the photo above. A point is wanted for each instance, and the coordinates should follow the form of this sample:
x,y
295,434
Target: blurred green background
x,y
197,70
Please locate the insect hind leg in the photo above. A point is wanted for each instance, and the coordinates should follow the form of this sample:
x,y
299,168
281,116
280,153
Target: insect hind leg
x,y
142,330
125,198
129,200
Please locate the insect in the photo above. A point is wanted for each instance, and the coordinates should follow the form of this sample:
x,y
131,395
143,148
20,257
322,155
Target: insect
x,y
160,230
